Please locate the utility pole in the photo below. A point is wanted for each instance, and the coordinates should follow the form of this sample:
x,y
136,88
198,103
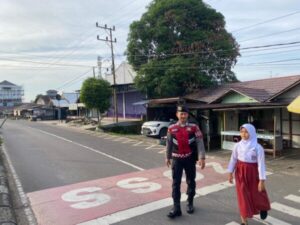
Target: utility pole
x,y
99,63
111,41
94,72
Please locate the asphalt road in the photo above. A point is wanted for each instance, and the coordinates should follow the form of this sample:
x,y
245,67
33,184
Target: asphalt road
x,y
49,156
59,158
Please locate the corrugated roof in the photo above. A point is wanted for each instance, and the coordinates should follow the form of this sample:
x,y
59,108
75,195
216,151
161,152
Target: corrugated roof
x,y
61,103
71,97
262,90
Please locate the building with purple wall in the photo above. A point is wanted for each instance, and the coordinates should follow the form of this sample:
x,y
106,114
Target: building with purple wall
x,y
127,94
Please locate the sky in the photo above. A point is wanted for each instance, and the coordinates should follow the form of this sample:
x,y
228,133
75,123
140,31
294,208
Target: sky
x,y
53,44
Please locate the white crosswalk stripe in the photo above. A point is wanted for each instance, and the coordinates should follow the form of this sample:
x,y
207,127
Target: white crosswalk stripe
x,y
285,209
270,221
293,198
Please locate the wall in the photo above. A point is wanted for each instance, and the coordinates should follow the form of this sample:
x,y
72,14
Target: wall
x,y
234,97
130,111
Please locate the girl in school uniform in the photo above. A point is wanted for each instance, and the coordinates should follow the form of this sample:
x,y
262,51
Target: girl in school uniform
x,y
248,163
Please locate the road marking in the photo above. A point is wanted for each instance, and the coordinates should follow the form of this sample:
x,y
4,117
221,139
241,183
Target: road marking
x,y
217,167
141,144
109,137
149,207
91,149
100,135
162,151
159,147
129,141
232,223
138,143
120,138
29,215
151,146
285,209
293,198
270,221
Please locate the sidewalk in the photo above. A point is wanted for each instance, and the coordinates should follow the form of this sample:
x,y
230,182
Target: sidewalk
x,y
288,163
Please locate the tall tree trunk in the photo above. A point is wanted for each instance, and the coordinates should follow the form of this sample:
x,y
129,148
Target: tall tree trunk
x,y
98,114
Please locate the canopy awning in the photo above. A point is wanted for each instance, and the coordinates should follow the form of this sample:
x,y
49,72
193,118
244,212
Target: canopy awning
x,y
294,106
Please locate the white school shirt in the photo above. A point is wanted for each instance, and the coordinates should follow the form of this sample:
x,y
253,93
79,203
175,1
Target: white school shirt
x,y
256,155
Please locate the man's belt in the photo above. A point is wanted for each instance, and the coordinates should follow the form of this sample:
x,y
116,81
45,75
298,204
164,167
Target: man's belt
x,y
181,156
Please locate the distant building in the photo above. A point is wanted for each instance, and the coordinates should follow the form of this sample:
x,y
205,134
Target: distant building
x,y
56,105
10,94
127,95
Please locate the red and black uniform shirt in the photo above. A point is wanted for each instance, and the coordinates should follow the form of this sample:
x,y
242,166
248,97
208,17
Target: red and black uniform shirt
x,y
181,140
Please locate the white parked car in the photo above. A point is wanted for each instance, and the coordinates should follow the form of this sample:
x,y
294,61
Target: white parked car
x,y
157,128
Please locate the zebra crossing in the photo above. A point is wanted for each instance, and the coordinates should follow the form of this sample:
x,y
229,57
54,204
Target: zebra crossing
x,y
279,207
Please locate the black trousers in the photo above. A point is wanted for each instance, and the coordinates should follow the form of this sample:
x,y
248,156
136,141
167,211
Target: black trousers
x,y
189,166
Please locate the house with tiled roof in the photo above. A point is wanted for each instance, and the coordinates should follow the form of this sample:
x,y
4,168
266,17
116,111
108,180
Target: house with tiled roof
x,y
261,102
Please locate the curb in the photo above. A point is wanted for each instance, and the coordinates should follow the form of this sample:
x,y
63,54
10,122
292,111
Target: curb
x,y
23,204
7,215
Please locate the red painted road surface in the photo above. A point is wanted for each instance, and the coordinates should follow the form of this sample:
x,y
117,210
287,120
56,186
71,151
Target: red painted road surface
x,y
77,203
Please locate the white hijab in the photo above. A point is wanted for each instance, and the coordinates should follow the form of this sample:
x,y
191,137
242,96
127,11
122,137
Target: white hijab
x,y
251,143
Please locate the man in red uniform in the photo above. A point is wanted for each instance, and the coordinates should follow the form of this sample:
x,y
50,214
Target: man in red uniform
x,y
184,148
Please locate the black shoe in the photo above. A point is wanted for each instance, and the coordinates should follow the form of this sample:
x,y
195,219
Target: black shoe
x,y
174,213
190,205
190,208
263,214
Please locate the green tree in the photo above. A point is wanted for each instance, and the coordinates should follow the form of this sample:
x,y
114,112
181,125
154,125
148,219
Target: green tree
x,y
178,46
96,94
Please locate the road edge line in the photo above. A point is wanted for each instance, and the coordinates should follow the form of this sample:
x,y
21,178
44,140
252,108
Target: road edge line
x,y
20,191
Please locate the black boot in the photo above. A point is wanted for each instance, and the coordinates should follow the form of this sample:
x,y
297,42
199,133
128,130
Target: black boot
x,y
190,206
263,214
175,212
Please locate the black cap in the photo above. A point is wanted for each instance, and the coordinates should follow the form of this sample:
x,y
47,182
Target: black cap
x,y
182,108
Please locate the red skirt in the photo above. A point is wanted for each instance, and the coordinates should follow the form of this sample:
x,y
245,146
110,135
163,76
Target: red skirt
x,y
250,200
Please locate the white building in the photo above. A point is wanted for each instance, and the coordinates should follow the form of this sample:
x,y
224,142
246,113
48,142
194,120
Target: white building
x,y
10,94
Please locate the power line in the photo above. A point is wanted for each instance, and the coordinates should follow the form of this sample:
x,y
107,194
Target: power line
x,y
265,21
271,53
72,80
264,47
276,33
43,63
275,61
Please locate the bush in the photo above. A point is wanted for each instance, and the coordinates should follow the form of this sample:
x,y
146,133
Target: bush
x,y
123,127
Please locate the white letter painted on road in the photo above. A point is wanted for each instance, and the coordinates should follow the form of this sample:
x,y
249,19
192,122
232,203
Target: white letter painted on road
x,y
142,187
85,201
